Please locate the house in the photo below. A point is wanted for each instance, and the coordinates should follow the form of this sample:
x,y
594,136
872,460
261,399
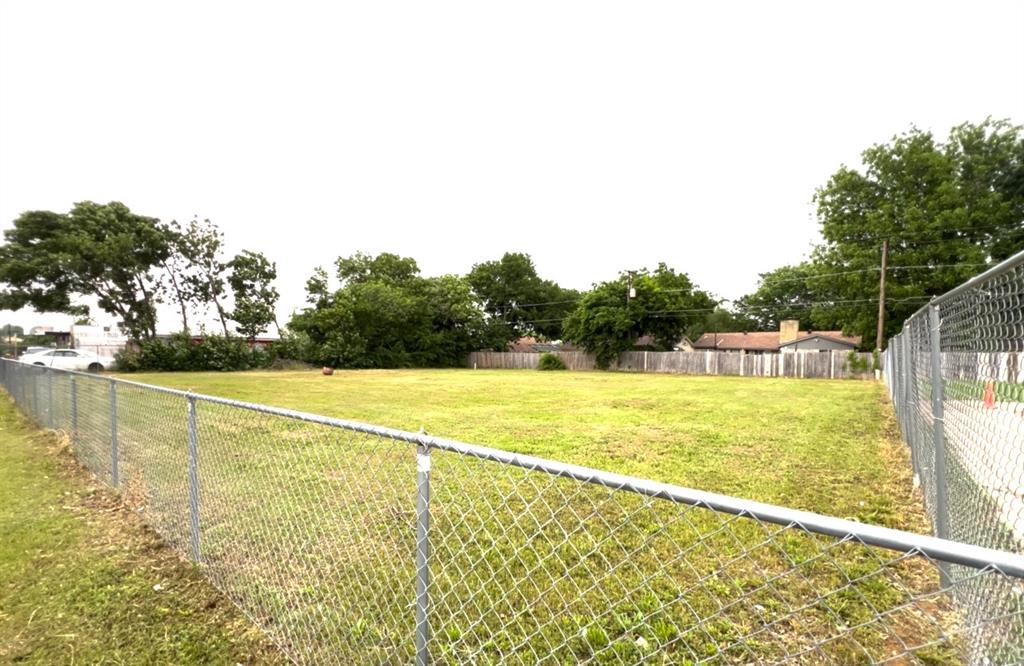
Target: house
x,y
646,343
56,338
821,341
101,340
529,344
789,338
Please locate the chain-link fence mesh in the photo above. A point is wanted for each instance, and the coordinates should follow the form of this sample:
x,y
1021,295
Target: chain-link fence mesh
x,y
349,543
957,383
958,386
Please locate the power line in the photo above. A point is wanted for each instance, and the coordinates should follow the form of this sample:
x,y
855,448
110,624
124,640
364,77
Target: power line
x,y
875,237
509,308
528,305
873,269
788,307
910,243
506,310
808,304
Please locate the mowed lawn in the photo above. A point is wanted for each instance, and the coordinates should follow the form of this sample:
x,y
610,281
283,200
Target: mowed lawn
x,y
817,445
83,581
312,529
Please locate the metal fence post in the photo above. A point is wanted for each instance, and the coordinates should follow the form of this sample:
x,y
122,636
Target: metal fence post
x,y
941,507
49,397
74,410
910,393
35,398
910,404
193,478
422,553
115,476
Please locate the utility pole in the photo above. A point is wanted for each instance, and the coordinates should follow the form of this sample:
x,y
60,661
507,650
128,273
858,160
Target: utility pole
x,y
881,296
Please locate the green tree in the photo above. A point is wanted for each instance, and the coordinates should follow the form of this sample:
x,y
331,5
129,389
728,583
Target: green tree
x,y
721,320
50,261
178,266
517,301
784,293
11,331
201,268
608,320
385,267
456,322
945,209
386,315
318,292
251,279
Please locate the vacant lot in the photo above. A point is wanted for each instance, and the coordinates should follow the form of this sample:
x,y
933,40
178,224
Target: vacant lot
x,y
825,446
83,581
312,529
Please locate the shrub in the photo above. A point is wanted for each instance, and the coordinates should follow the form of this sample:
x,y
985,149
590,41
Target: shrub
x,y
294,346
180,353
855,363
549,361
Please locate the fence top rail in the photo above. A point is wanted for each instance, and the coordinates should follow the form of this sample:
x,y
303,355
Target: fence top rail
x,y
944,550
1002,267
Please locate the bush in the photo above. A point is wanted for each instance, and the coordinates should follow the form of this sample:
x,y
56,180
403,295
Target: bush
x,y
855,363
180,353
549,361
294,347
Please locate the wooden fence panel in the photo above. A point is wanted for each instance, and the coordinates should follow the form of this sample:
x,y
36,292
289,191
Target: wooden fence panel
x,y
817,365
727,363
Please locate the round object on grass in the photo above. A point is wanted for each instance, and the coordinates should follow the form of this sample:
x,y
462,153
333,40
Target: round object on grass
x,y
328,371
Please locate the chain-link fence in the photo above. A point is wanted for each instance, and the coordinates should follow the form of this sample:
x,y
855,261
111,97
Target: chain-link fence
x,y
957,380
350,543
957,383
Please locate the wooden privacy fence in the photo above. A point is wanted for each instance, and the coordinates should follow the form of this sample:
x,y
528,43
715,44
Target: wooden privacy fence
x,y
820,365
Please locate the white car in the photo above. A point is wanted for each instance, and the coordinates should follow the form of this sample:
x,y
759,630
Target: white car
x,y
69,359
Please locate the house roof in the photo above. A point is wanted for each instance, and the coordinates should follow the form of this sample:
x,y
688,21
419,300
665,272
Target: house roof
x,y
530,344
523,344
765,340
832,336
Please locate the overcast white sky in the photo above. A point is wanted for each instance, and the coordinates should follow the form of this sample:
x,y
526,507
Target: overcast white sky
x,y
595,136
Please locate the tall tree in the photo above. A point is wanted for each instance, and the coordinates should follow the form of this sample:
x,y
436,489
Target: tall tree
x,y
784,293
385,267
11,331
251,279
721,320
517,301
177,267
609,319
946,209
51,261
386,315
202,281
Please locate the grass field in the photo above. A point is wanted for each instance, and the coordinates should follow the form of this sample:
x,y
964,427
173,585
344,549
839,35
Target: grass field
x,y
311,529
83,581
816,445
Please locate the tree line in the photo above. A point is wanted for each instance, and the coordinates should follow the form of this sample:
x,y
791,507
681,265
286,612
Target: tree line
x,y
945,209
382,313
131,263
